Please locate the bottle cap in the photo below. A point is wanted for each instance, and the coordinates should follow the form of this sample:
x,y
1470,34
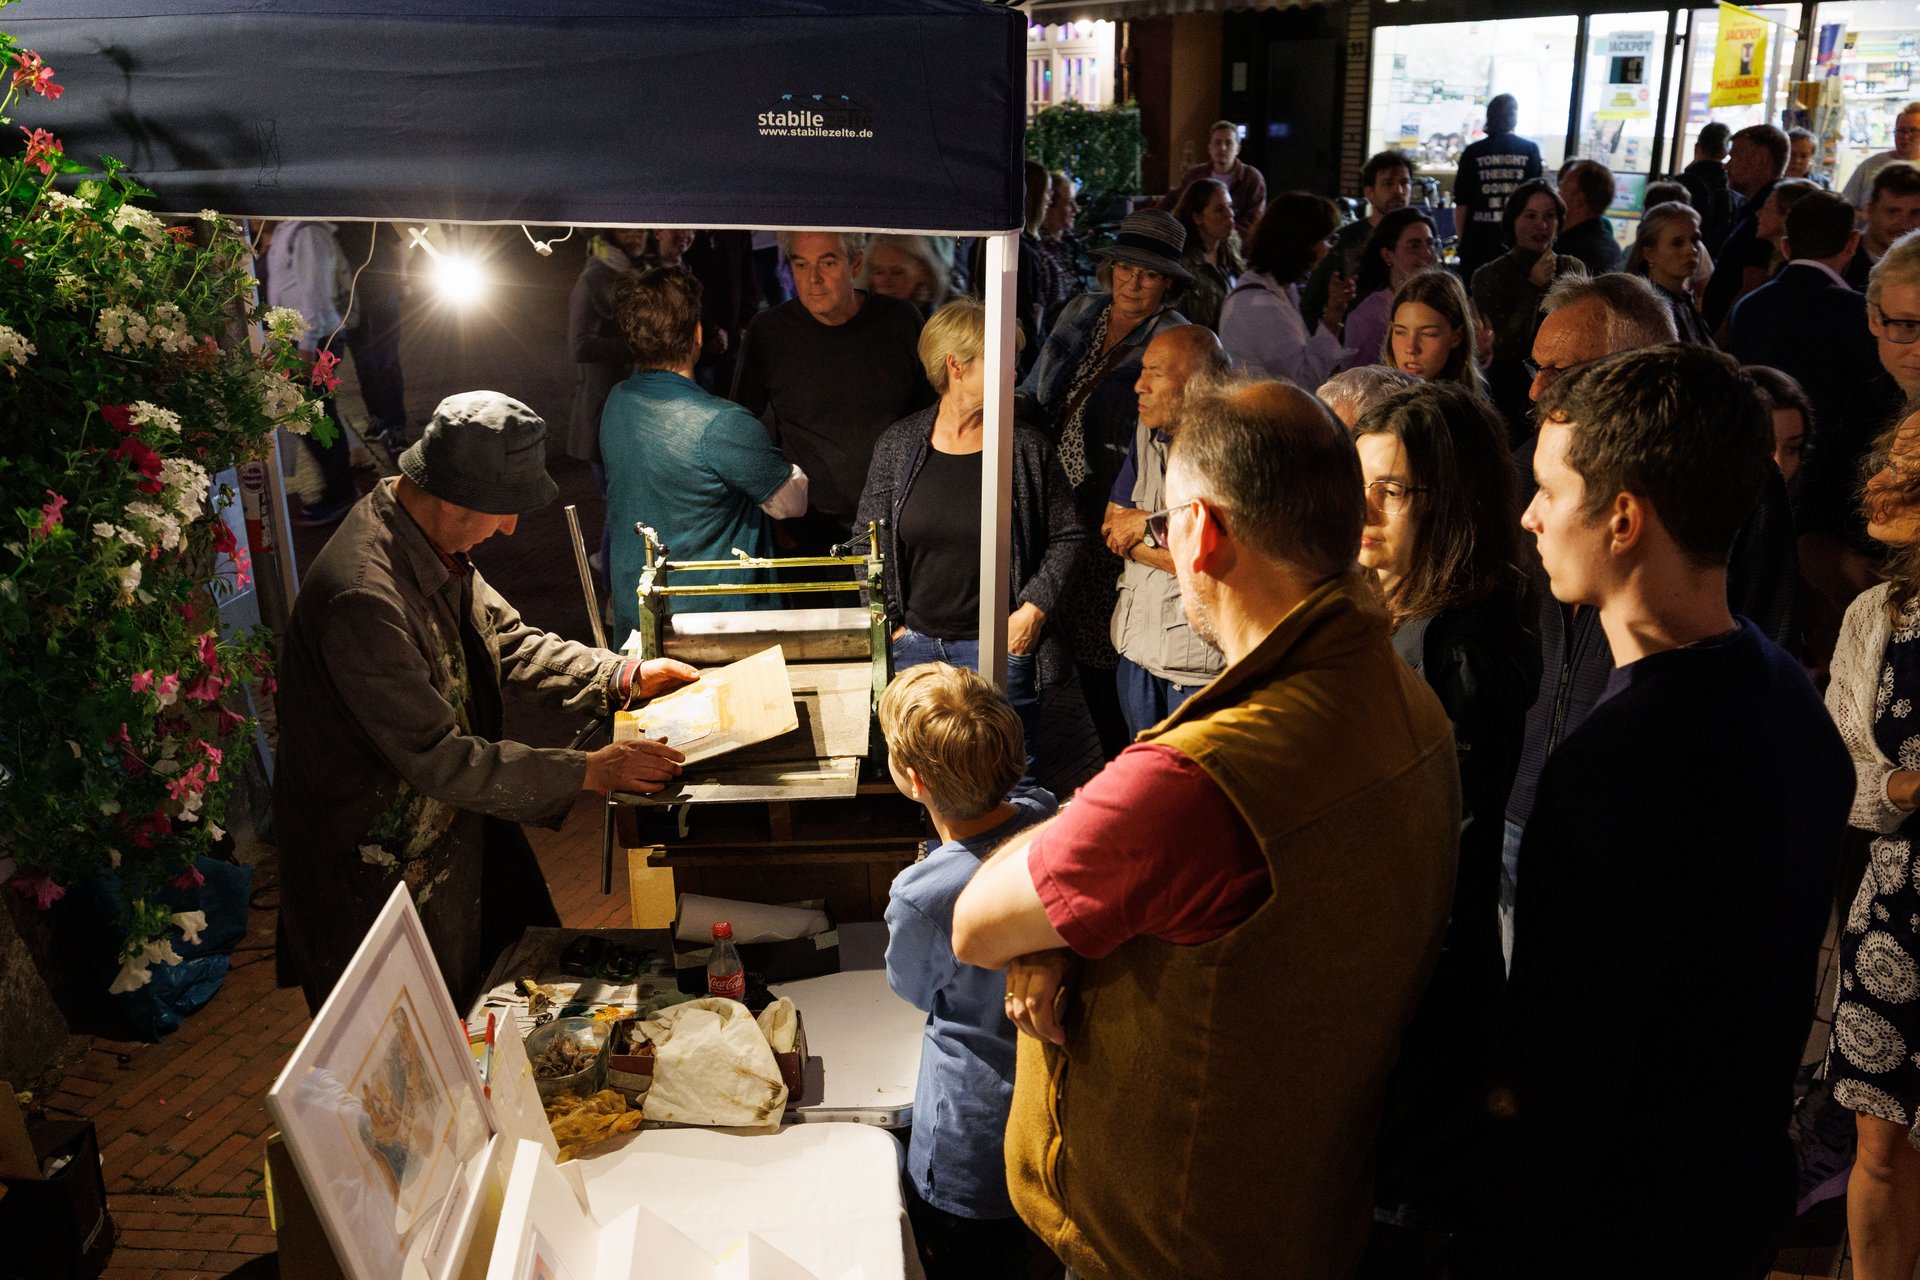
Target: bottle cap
x,y
722,929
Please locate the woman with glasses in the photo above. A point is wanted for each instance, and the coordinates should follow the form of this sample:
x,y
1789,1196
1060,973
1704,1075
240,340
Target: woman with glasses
x,y
1261,326
1442,540
1401,247
1080,393
1873,1061
1668,251
1434,334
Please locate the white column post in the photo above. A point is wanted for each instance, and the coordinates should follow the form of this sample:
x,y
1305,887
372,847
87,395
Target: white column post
x,y
996,466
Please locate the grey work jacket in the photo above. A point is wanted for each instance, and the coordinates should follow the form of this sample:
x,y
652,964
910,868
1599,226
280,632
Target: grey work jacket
x,y
389,766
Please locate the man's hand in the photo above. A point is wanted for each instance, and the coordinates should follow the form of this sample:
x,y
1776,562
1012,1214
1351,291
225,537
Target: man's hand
x,y
658,675
1023,628
1035,985
1122,528
1542,274
642,765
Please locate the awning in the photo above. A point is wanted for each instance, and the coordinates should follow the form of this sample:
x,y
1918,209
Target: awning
x,y
857,114
1052,11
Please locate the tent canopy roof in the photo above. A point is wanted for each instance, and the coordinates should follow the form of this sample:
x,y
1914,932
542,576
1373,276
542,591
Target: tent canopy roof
x,y
857,114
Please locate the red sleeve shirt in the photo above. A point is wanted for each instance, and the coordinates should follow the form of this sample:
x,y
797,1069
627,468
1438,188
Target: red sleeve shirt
x,y
1150,846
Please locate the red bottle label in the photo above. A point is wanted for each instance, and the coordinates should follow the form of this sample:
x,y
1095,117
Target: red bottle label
x,y
732,986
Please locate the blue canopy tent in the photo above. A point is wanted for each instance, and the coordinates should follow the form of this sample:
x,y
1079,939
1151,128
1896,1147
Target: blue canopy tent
x,y
858,115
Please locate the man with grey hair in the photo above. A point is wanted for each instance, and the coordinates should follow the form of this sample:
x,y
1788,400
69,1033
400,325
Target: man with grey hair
x,y
1351,392
1162,660
1839,560
827,371
392,765
1587,320
1906,146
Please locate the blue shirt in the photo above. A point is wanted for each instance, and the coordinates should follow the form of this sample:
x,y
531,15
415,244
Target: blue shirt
x,y
965,1089
694,467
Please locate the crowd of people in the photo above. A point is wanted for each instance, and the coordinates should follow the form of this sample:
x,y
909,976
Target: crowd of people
x,y
1454,634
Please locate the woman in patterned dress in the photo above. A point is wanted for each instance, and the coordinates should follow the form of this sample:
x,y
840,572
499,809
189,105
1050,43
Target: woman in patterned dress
x,y
1874,1060
1080,393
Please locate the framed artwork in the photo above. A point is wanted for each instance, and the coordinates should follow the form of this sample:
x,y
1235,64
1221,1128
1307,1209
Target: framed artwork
x,y
383,1110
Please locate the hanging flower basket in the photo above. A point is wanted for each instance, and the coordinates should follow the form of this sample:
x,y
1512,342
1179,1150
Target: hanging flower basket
x,y
134,367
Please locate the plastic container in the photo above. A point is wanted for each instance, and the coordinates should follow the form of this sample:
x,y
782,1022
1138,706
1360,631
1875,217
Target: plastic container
x,y
726,976
589,1080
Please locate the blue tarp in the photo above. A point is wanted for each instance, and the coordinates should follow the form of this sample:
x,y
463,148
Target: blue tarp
x,y
860,114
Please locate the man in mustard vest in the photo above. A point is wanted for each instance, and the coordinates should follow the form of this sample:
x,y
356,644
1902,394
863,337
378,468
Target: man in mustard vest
x,y
1215,947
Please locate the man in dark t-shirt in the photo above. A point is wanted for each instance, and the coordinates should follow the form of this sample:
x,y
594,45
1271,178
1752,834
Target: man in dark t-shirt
x,y
1489,171
1680,853
828,371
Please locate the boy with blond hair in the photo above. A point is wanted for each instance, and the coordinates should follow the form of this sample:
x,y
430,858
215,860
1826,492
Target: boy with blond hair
x,y
955,745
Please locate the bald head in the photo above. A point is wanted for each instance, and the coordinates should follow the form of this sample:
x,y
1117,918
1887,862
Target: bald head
x,y
1169,366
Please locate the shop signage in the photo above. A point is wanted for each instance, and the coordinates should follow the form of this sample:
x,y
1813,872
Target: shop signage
x,y
1739,58
1628,94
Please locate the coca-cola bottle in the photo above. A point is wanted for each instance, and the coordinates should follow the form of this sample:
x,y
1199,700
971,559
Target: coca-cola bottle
x,y
726,977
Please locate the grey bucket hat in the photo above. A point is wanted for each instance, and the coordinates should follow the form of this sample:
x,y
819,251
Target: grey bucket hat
x,y
483,451
1151,238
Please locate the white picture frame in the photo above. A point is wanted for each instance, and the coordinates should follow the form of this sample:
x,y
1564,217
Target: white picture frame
x,y
383,1110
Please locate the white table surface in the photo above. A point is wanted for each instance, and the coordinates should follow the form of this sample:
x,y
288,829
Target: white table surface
x,y
863,1046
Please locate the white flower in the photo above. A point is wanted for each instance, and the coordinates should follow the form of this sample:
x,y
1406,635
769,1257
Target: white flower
x,y
152,415
126,217
61,201
129,582
169,329
187,485
190,923
286,324
14,349
134,970
215,830
208,215
278,396
161,525
113,855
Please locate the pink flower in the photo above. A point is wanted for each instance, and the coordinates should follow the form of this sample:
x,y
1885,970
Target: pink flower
x,y
229,723
212,752
192,782
35,75
188,879
242,568
206,687
186,610
142,683
49,514
269,685
322,373
209,650
119,737
167,690
40,145
40,887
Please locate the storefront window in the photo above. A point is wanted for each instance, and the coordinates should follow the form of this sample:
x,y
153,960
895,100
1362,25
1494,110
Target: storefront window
x,y
1775,70
1431,85
1626,54
1876,49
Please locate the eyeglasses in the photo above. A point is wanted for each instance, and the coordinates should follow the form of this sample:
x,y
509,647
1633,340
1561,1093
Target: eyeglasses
x,y
1906,132
1391,496
1157,522
1552,373
1901,330
1146,275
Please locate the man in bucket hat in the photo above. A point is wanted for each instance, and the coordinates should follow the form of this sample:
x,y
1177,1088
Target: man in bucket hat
x,y
391,764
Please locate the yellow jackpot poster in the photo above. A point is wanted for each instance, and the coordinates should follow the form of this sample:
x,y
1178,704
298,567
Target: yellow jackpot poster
x,y
1739,58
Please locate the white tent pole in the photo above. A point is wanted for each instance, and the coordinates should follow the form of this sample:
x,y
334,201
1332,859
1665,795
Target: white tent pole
x,y
996,467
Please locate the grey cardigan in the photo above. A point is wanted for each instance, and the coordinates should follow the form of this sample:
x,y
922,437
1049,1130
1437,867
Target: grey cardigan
x,y
1047,536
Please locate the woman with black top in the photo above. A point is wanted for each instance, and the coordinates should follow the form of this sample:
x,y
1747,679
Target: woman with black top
x,y
1668,251
924,481
1442,538
1212,254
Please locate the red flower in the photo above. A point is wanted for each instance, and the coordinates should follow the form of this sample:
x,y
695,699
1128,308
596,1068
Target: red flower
x,y
206,687
181,232
269,685
143,830
119,737
229,723
143,460
322,373
35,75
188,879
120,417
49,515
186,610
40,145
209,648
40,887
223,539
